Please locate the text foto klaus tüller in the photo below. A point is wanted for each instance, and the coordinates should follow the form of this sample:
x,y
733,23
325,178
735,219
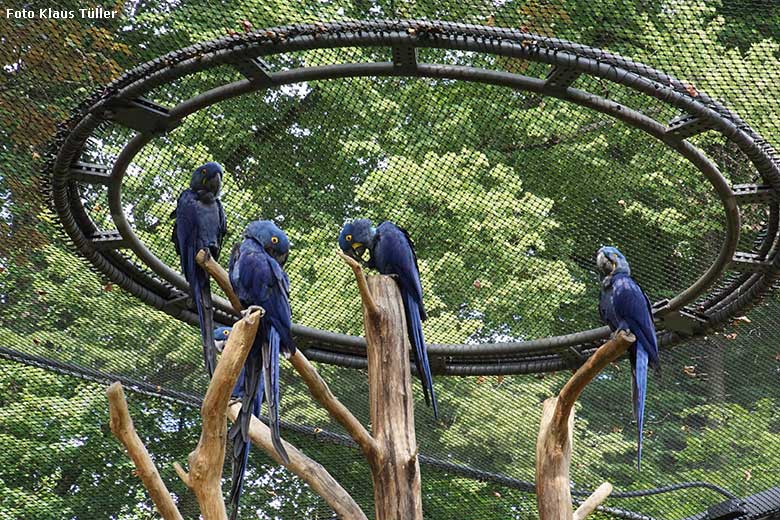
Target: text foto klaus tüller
x,y
48,13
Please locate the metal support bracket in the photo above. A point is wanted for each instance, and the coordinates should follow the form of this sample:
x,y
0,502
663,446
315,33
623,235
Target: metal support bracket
x,y
256,70
178,301
141,115
686,126
560,77
103,240
90,173
682,321
405,57
573,357
753,193
749,262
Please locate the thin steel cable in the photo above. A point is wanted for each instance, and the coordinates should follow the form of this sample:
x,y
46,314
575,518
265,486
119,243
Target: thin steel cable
x,y
321,435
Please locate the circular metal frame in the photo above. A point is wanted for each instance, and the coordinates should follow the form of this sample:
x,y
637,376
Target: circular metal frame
x,y
691,312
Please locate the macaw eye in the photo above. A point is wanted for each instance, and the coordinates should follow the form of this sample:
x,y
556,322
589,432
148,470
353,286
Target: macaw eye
x,y
349,238
274,240
225,333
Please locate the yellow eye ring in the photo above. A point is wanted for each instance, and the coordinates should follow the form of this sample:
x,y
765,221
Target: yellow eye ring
x,y
274,240
349,238
224,332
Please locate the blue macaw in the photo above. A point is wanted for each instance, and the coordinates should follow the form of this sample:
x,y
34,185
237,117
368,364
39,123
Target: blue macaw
x,y
257,277
623,305
200,224
221,335
392,253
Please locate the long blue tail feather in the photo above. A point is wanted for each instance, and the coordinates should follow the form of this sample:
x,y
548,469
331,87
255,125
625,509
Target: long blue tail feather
x,y
421,355
271,376
201,293
640,381
251,400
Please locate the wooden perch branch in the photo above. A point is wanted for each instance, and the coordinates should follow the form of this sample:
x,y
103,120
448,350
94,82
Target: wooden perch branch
x,y
124,430
593,501
220,275
320,391
205,476
395,469
368,301
553,446
310,471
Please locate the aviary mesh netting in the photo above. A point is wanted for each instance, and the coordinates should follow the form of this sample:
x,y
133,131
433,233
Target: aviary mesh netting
x,y
509,154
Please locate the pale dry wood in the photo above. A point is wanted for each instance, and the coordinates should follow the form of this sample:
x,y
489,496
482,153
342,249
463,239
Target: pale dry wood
x,y
122,427
395,469
553,460
310,471
332,493
205,462
606,354
593,501
369,305
553,445
322,394
219,274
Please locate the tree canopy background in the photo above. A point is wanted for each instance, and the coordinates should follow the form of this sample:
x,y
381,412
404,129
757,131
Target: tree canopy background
x,y
507,195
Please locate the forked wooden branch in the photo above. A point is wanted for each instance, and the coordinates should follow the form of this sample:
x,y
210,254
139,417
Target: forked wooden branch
x,y
124,430
553,446
205,476
220,275
310,471
301,465
395,469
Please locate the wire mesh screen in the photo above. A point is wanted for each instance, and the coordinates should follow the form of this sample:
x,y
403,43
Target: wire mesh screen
x,y
507,192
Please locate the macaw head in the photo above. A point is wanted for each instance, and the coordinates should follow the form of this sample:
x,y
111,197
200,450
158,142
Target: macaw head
x,y
271,238
207,177
356,237
610,260
221,334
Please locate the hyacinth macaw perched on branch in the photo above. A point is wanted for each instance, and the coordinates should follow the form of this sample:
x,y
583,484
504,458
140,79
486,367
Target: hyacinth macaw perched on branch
x,y
221,335
257,277
624,306
392,253
200,224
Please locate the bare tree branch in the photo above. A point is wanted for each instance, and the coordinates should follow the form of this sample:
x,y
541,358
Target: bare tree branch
x,y
320,391
220,275
553,445
310,471
368,301
593,501
124,430
205,476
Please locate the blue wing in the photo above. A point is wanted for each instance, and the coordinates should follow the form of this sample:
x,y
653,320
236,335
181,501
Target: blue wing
x,y
222,230
188,240
259,280
633,312
394,253
632,308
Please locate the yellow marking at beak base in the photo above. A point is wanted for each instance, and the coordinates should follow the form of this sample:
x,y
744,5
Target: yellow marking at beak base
x,y
356,245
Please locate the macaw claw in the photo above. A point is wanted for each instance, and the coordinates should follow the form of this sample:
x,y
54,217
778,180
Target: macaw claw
x,y
249,310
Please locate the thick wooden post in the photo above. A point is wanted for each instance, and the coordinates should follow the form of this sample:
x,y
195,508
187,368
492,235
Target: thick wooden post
x,y
396,470
553,446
